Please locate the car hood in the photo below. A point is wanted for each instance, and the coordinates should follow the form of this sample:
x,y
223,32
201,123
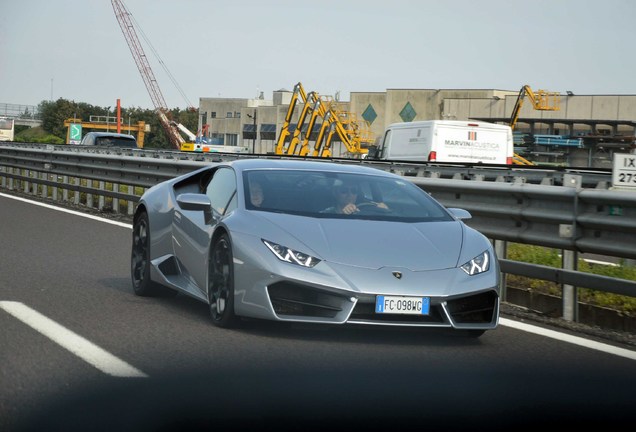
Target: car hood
x,y
375,244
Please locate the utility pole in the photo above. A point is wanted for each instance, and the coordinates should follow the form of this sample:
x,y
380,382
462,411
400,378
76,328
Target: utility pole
x,y
253,117
254,139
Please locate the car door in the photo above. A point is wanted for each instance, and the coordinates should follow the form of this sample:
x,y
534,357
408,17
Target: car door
x,y
191,234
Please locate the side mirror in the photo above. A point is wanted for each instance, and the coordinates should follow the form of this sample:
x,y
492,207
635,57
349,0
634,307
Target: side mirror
x,y
460,213
196,202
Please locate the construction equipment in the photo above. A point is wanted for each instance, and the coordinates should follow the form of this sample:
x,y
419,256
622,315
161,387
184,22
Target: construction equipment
x,y
140,127
354,136
125,22
541,100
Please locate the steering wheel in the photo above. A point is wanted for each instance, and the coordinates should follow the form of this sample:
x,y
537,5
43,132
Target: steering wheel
x,y
372,207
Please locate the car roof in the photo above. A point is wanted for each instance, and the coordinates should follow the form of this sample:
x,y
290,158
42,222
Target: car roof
x,y
250,164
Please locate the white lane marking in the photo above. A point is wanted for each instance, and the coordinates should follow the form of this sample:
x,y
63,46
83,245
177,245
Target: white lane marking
x,y
73,212
503,321
568,338
81,347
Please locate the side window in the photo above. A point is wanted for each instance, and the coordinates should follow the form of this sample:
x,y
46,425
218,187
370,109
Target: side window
x,y
384,150
222,190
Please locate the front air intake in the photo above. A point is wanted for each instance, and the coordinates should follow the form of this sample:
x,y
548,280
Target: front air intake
x,y
298,300
475,309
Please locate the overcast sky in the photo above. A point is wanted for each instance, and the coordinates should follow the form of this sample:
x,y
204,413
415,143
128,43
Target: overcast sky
x,y
75,49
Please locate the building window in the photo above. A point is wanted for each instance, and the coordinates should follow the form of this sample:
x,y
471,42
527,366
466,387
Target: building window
x,y
237,114
213,114
216,139
268,131
408,113
229,114
369,114
249,131
231,139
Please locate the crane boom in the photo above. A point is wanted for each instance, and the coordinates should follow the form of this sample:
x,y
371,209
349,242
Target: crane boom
x,y
316,106
541,100
123,17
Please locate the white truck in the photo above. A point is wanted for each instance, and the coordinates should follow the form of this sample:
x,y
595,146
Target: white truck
x,y
446,141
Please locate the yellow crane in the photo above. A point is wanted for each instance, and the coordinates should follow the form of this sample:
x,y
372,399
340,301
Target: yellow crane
x,y
352,134
541,100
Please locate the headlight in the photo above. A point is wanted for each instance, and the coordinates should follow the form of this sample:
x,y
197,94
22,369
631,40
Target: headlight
x,y
477,265
291,256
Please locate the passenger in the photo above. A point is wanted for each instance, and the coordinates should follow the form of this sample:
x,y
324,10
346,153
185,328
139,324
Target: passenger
x,y
256,194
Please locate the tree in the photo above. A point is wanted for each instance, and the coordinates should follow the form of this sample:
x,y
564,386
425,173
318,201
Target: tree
x,y
53,115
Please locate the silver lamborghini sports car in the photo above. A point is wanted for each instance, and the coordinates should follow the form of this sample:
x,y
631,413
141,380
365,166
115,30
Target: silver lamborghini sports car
x,y
314,242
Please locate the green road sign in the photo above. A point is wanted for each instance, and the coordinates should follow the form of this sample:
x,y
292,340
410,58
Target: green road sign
x,y
75,134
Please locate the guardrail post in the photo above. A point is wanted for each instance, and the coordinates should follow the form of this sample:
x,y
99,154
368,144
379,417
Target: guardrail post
x,y
89,195
65,190
102,199
27,174
501,249
76,198
4,178
116,200
131,205
45,188
55,180
569,292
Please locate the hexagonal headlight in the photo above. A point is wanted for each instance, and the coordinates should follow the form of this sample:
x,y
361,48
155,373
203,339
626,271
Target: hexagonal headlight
x,y
477,265
286,254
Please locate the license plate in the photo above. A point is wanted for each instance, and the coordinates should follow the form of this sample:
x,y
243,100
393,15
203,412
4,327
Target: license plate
x,y
402,305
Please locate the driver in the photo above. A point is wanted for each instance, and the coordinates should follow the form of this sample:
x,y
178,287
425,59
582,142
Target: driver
x,y
345,196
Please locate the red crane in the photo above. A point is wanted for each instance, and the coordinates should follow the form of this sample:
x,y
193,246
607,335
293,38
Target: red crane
x,y
125,22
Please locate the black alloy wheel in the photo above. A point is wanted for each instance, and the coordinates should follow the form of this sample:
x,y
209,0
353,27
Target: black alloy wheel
x,y
221,283
140,261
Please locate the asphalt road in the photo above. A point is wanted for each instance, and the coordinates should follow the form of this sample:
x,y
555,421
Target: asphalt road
x,y
93,356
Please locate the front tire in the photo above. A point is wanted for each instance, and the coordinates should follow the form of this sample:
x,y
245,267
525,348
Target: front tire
x,y
140,260
221,283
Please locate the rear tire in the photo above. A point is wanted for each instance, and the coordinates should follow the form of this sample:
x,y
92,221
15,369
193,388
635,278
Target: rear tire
x,y
221,283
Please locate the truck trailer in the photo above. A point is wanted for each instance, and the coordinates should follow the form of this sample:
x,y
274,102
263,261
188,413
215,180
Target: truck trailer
x,y
446,141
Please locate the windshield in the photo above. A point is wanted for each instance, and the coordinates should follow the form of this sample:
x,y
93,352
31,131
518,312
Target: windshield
x,y
339,195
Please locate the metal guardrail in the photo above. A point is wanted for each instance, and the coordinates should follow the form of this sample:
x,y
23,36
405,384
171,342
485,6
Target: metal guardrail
x,y
562,217
544,207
